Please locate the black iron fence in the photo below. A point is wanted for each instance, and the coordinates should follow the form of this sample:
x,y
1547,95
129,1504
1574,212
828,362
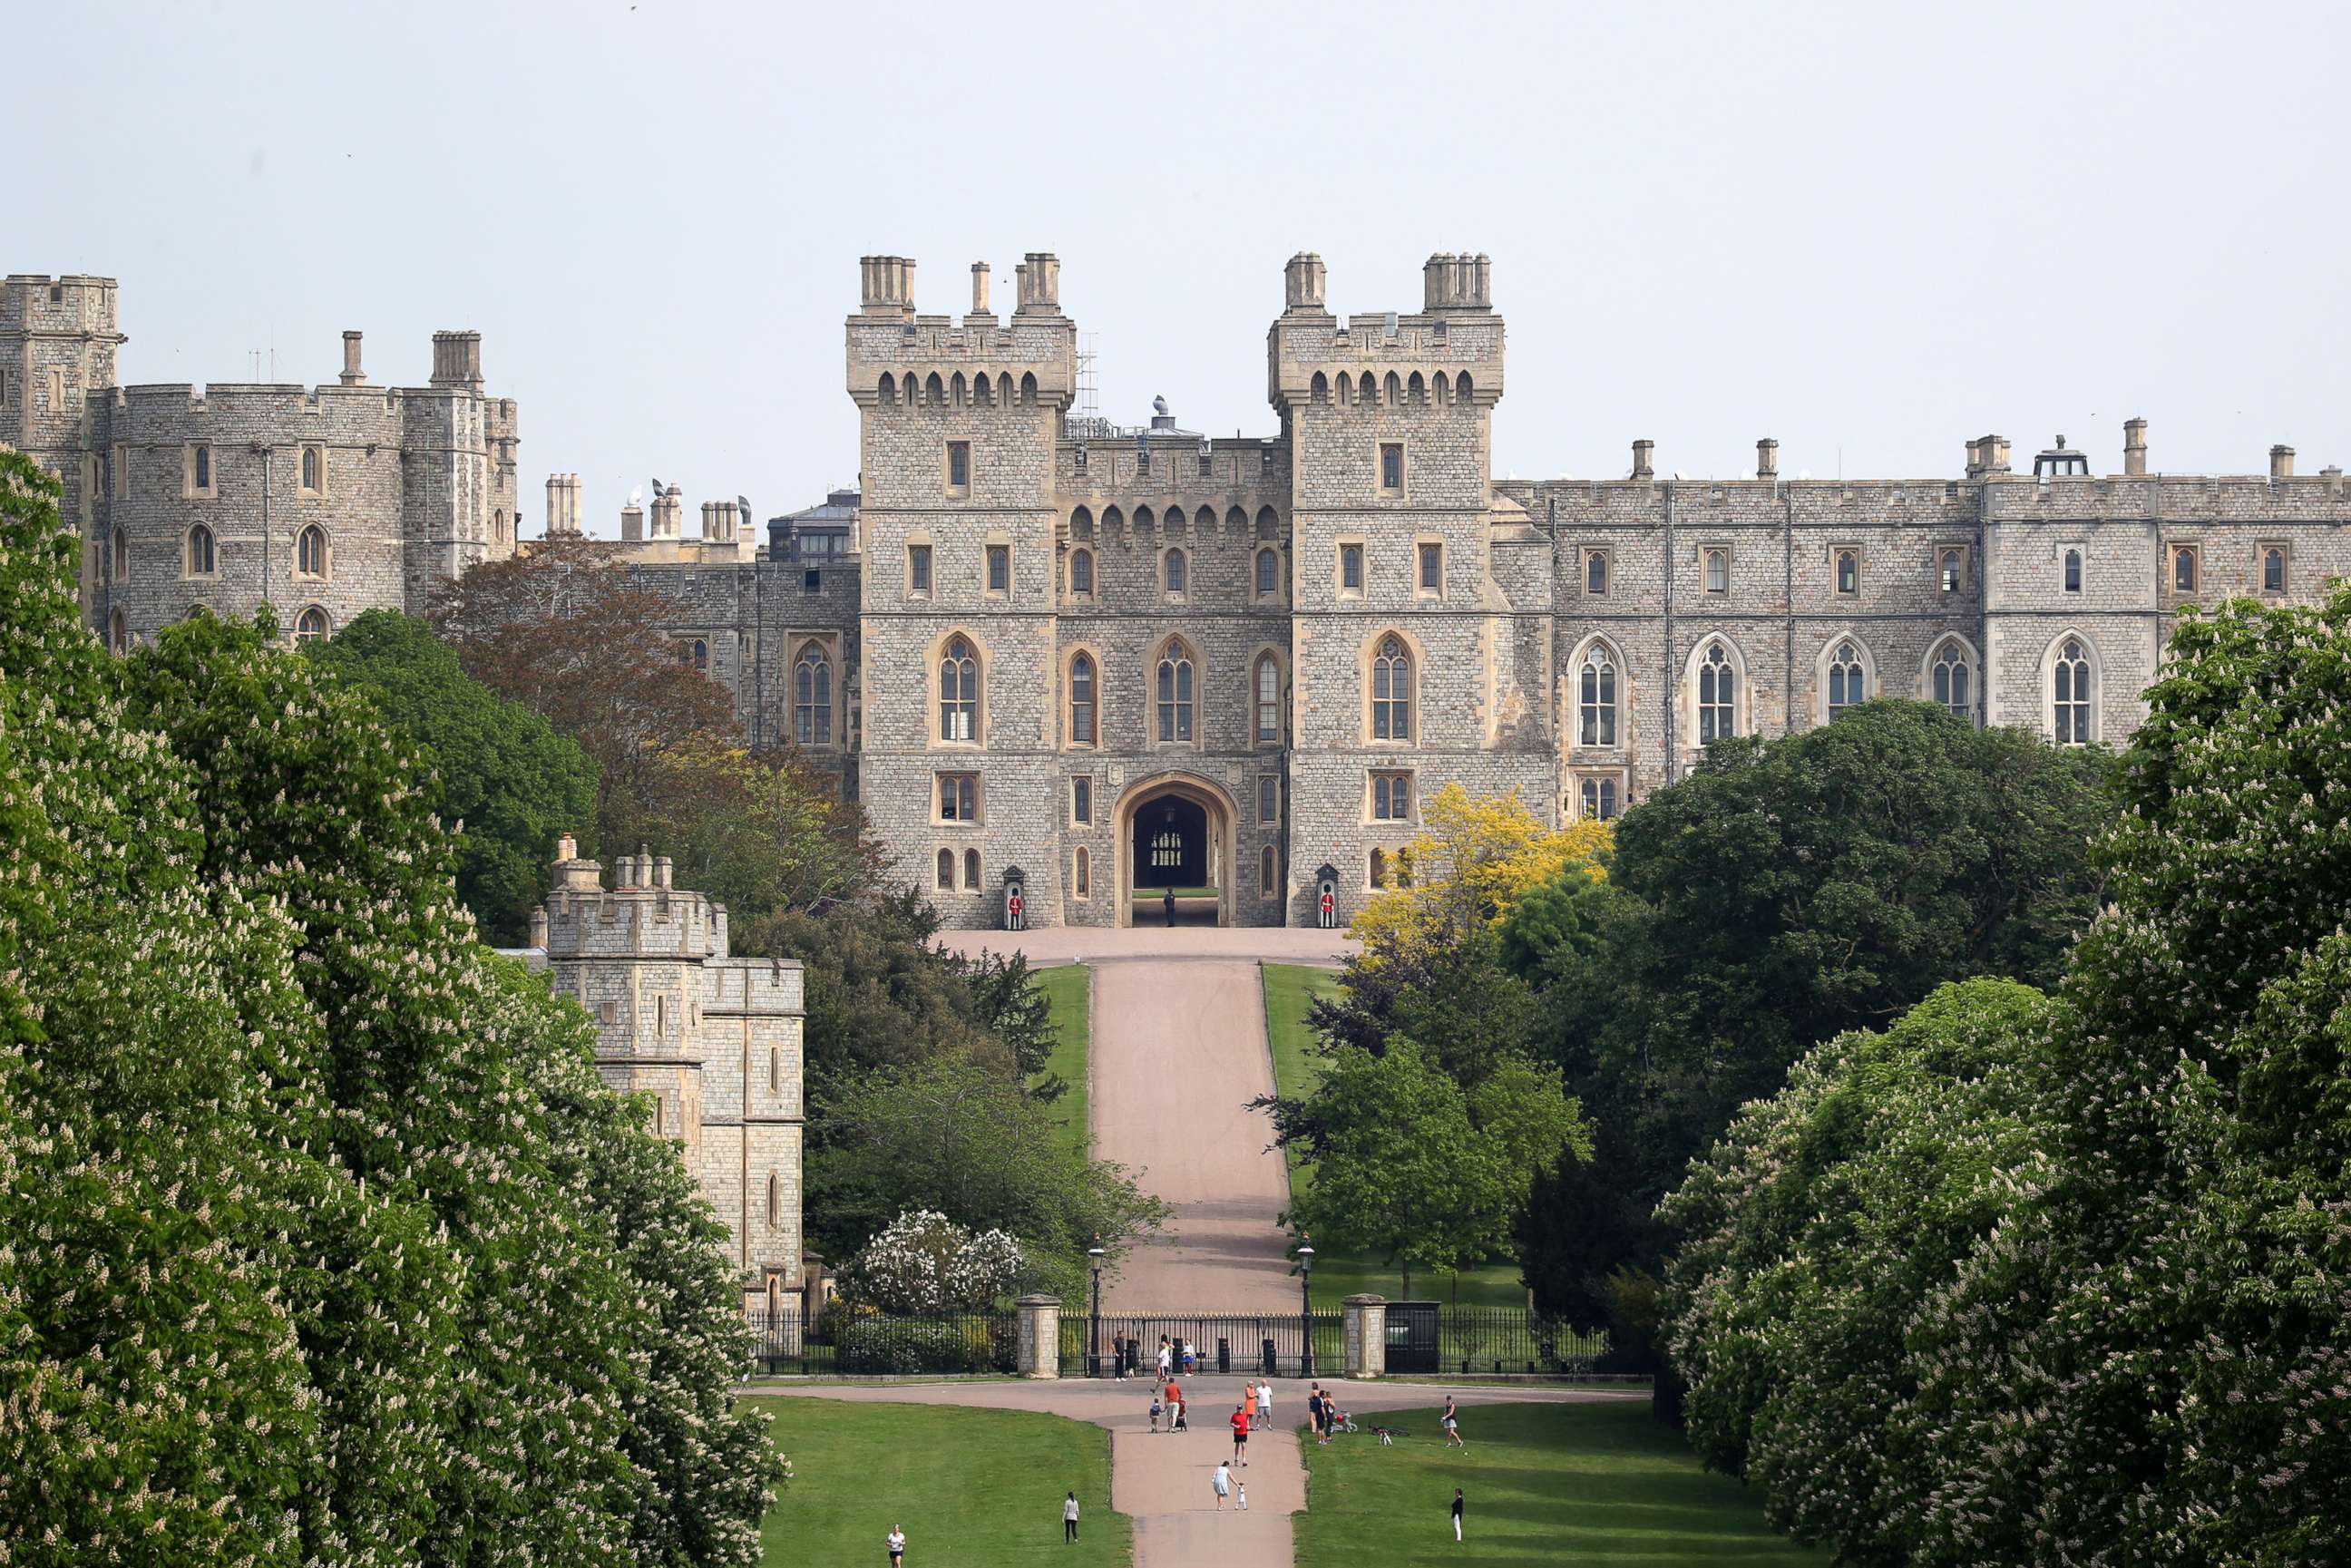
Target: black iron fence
x,y
1470,1341
845,1342
1254,1345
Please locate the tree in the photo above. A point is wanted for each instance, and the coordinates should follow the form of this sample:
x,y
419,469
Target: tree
x,y
503,773
923,1261
1407,1164
1815,1229
564,630
961,1138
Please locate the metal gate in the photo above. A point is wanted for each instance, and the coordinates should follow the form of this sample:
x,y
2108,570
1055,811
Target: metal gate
x,y
1412,1336
1254,1345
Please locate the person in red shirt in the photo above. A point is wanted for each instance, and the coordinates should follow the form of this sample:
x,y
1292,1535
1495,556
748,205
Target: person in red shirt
x,y
1175,1405
1240,1436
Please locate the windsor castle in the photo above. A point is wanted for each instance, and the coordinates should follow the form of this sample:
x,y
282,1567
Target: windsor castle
x,y
1088,663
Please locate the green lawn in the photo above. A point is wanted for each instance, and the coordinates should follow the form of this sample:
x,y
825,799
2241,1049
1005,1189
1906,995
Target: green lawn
x,y
1577,1484
970,1488
1067,988
1289,990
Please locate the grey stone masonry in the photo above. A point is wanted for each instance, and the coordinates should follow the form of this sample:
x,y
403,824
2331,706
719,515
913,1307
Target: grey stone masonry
x,y
714,1040
1031,629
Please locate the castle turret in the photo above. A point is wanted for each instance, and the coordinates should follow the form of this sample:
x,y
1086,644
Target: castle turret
x,y
57,343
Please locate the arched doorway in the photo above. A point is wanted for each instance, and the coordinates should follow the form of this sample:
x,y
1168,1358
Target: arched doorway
x,y
1175,830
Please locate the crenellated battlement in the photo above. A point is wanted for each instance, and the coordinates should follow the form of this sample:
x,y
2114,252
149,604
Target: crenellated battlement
x,y
1448,354
900,360
75,303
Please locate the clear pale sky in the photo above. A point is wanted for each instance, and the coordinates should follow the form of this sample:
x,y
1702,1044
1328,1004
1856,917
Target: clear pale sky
x,y
1872,231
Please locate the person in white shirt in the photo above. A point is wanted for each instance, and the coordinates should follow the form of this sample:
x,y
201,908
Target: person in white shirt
x,y
897,1547
1265,1404
1069,1519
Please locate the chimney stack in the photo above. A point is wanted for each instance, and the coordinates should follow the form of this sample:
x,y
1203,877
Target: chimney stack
x,y
886,285
1041,284
632,523
2134,446
1767,459
1301,283
979,289
1991,454
352,375
669,508
457,360
1643,467
539,927
2281,461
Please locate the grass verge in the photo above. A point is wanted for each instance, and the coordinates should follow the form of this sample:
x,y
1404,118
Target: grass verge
x,y
1290,990
1067,991
1598,1483
972,1488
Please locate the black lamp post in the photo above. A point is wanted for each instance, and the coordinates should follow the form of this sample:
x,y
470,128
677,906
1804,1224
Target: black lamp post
x,y
1094,1336
1306,1301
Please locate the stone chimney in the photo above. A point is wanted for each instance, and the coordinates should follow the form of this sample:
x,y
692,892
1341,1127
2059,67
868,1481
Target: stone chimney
x,y
352,375
979,289
632,523
669,510
661,872
2281,461
1301,283
538,927
1644,463
1767,459
1040,276
1991,454
457,360
574,873
562,504
886,285
1459,282
2134,446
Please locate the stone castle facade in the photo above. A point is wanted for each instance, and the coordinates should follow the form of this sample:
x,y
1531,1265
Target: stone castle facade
x,y
321,501
1110,660
712,1039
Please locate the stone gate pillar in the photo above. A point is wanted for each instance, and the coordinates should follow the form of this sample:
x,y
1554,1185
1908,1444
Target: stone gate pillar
x,y
1038,1337
1364,1321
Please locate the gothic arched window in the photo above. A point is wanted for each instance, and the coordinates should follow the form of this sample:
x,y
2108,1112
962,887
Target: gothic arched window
x,y
1175,693
312,626
971,870
1717,695
812,695
202,559
1847,682
2070,694
310,467
947,868
1178,569
1596,698
1081,573
1269,574
1392,690
1081,700
310,552
1269,699
2073,571
121,554
958,691
2272,569
1948,680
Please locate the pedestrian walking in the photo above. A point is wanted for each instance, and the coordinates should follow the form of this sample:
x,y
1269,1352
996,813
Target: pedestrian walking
x,y
1221,1483
1118,1356
1453,1438
1070,1520
1315,1412
1240,1436
1156,1409
1265,1404
1457,1513
897,1547
1165,1363
1175,1407
1248,1403
1240,1496
1171,906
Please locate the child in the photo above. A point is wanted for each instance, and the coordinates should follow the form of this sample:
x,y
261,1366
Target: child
x,y
1156,1409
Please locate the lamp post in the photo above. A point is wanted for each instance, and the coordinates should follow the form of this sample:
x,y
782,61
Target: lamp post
x,y
1306,1302
1093,1328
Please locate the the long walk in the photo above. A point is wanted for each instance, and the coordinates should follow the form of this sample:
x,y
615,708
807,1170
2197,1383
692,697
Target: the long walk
x,y
1179,1052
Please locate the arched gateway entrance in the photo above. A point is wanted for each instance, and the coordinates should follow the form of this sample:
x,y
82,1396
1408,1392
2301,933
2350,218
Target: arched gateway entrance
x,y
1174,831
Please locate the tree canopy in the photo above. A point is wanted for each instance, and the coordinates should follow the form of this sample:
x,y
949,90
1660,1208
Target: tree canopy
x,y
319,1239
501,771
2116,1273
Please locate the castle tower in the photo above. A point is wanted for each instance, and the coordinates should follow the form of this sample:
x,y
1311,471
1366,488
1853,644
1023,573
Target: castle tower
x,y
959,421
1401,632
713,1040
57,343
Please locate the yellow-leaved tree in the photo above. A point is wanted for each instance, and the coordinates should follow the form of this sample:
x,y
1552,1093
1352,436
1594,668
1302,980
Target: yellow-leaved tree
x,y
1474,859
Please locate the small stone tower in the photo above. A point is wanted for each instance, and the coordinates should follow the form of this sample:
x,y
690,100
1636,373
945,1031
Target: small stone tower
x,y
57,343
714,1040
